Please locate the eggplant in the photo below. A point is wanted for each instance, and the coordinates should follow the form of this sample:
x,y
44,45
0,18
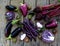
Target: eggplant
x,y
16,32
52,24
8,28
47,36
24,9
10,7
10,15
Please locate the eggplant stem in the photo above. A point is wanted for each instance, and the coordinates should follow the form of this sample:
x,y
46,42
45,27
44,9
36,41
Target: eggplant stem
x,y
15,21
9,38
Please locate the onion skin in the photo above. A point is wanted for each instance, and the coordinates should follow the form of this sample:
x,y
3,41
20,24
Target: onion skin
x,y
10,7
8,29
52,24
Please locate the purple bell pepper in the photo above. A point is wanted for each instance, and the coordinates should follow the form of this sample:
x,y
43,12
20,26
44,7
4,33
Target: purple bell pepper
x,y
24,9
52,24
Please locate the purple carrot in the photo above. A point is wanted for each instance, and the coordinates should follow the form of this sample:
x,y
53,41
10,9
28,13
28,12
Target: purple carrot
x,y
30,33
31,29
27,34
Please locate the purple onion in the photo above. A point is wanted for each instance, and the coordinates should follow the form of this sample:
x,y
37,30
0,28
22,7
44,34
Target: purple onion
x,y
10,15
47,36
24,9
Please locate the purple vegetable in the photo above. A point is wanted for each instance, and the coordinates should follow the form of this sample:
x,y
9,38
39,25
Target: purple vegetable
x,y
30,32
11,7
32,24
16,32
51,24
32,35
10,15
38,16
34,31
24,9
8,28
37,10
47,36
27,33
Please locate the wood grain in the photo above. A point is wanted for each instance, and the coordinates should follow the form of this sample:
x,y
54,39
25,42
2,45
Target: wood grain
x,y
32,3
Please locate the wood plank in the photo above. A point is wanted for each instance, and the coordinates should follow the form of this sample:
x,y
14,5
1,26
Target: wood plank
x,y
53,1
3,3
58,35
30,3
3,41
42,2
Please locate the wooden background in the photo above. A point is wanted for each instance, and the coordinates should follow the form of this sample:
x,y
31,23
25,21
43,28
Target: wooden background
x,y
33,3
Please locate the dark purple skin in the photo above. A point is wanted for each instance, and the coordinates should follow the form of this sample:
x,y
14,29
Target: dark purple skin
x,y
37,10
38,16
51,24
8,29
10,15
31,29
16,32
10,7
30,33
27,33
32,24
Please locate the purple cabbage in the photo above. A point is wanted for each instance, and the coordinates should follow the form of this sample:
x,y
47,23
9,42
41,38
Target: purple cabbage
x,y
10,15
47,36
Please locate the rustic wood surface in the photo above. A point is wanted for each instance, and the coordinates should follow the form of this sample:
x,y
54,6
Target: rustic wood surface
x,y
33,3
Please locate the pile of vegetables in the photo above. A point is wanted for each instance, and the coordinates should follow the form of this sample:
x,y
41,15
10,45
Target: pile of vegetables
x,y
31,30
47,12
